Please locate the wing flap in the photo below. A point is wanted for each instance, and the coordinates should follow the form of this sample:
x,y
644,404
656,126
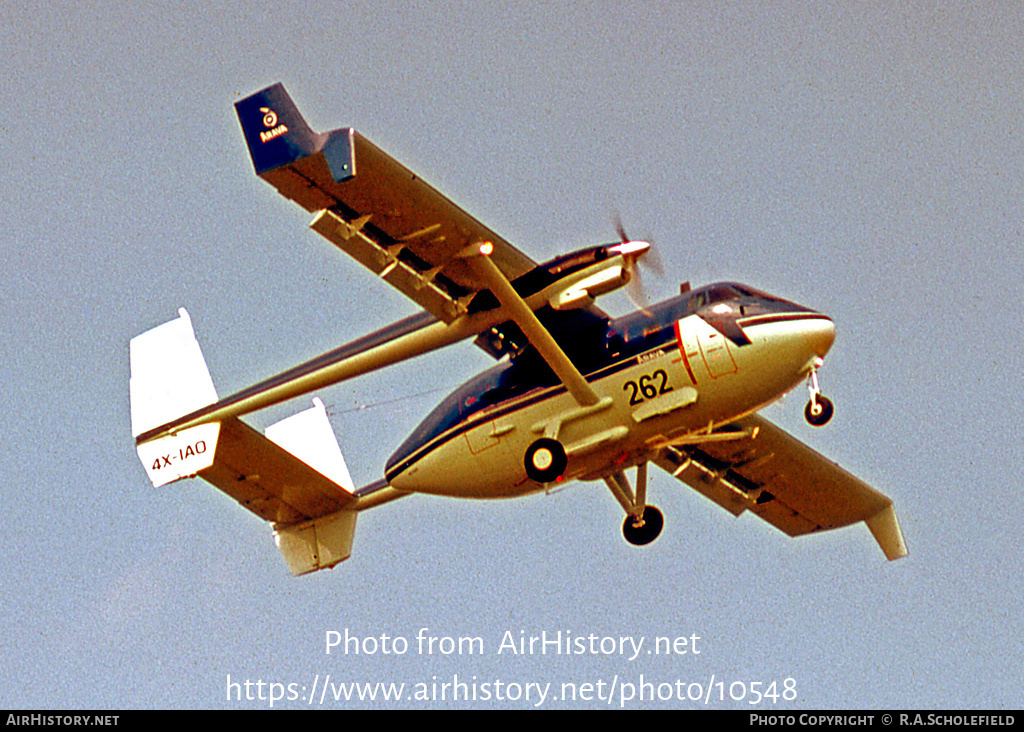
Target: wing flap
x,y
418,285
785,482
798,477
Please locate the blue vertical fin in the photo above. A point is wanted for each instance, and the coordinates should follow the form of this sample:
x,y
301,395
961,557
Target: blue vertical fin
x,y
278,135
274,129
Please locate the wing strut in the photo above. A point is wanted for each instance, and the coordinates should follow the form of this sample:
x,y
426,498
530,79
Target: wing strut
x,y
534,330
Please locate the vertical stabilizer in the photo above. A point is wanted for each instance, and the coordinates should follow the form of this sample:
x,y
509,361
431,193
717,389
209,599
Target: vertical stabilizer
x,y
169,379
309,437
326,540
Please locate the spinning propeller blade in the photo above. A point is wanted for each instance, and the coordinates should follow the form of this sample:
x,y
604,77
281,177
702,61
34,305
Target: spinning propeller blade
x,y
633,251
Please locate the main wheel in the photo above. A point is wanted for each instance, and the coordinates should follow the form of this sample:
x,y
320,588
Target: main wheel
x,y
819,411
648,532
545,460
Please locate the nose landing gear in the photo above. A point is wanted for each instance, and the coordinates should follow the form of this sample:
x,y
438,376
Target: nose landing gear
x,y
819,409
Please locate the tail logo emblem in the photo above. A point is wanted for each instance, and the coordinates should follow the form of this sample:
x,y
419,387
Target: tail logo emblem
x,y
270,122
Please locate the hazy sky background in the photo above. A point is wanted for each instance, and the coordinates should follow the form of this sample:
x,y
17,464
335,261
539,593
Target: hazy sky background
x,y
864,159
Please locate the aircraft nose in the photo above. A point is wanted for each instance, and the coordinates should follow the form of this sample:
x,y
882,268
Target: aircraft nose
x,y
820,334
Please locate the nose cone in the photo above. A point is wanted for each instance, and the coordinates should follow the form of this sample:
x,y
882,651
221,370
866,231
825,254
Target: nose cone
x,y
820,333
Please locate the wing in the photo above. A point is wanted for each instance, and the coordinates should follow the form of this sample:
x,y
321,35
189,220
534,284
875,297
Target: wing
x,y
375,209
785,482
372,207
405,231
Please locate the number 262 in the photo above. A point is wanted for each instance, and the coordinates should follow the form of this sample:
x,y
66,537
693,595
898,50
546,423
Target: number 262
x,y
647,386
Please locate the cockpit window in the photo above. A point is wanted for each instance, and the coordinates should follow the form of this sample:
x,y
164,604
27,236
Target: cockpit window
x,y
751,292
698,300
719,293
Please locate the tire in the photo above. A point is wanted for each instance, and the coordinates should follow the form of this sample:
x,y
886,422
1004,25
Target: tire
x,y
823,414
545,460
639,536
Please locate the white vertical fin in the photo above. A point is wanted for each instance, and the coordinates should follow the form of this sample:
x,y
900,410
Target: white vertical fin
x,y
309,437
323,542
169,379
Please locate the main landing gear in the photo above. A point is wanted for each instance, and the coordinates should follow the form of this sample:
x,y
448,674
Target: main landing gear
x,y
645,529
643,523
545,460
819,409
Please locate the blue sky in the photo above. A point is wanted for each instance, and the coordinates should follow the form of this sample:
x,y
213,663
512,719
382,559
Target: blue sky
x,y
862,159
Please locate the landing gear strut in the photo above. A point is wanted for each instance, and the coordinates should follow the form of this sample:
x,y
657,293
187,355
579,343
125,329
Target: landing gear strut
x,y
819,409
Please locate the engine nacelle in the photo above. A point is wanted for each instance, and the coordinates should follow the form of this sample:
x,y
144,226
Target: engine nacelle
x,y
609,275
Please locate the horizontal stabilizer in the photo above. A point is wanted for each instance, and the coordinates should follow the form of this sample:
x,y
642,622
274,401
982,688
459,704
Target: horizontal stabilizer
x,y
296,478
271,481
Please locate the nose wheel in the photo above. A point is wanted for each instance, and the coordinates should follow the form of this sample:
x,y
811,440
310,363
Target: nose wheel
x,y
819,409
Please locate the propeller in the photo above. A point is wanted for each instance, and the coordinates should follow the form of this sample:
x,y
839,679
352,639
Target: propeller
x,y
633,252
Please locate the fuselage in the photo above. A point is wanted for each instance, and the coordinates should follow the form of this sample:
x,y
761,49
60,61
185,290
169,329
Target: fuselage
x,y
697,361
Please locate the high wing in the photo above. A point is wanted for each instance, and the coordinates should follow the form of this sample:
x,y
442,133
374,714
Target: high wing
x,y
410,235
372,207
785,482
